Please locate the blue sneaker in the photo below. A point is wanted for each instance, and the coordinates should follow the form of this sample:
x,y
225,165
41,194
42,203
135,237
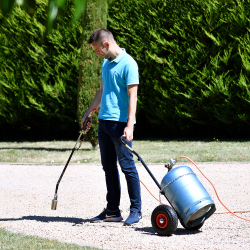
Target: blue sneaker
x,y
108,216
134,217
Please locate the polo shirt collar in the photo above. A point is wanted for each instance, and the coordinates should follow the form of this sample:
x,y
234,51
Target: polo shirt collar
x,y
120,56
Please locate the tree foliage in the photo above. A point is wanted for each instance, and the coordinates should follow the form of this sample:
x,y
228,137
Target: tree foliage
x,y
194,61
39,78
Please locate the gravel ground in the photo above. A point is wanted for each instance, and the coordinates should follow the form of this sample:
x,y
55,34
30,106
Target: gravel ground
x,y
26,192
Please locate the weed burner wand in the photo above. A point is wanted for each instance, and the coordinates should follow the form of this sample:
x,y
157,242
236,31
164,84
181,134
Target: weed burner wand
x,y
80,141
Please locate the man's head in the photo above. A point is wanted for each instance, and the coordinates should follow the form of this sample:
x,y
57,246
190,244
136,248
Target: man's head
x,y
102,41
101,35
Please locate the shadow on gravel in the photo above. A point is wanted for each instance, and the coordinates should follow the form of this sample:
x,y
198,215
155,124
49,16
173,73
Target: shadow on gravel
x,y
46,149
146,230
183,231
49,219
179,231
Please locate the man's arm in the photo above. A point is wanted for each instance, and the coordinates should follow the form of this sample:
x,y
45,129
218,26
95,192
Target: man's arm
x,y
132,94
94,105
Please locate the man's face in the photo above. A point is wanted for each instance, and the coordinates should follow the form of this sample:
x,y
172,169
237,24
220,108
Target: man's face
x,y
101,50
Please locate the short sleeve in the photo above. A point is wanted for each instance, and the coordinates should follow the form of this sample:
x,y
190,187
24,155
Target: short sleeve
x,y
132,73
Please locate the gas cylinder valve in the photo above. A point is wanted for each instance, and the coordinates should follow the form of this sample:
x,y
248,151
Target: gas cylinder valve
x,y
170,165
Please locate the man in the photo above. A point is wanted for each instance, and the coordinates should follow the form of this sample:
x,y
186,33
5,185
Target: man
x,y
117,98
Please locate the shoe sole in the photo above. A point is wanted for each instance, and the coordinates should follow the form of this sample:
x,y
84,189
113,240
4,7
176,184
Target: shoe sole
x,y
110,219
130,224
113,219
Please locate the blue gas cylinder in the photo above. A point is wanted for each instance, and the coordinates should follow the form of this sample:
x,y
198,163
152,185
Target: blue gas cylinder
x,y
187,195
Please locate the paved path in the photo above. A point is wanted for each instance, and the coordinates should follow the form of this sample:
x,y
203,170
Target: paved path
x,y
26,192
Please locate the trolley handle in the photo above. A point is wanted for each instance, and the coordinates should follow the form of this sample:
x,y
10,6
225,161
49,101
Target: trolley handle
x,y
121,139
140,159
126,145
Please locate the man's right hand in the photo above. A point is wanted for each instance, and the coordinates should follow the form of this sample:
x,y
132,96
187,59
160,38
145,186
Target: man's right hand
x,y
89,123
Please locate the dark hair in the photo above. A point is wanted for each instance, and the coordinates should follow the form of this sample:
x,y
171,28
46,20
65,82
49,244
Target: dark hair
x,y
99,35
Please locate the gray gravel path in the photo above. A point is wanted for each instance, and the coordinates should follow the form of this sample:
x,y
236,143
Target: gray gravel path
x,y
26,192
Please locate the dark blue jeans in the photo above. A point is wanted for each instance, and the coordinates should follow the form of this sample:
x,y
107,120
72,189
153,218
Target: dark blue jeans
x,y
111,149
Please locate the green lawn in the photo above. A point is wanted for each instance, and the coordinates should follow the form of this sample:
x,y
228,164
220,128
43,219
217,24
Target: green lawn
x,y
18,241
150,151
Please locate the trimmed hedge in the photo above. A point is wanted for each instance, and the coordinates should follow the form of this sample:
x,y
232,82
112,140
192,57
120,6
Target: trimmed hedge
x,y
194,62
193,56
90,67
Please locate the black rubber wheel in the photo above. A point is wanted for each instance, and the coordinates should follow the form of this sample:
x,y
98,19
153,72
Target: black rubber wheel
x,y
164,220
192,228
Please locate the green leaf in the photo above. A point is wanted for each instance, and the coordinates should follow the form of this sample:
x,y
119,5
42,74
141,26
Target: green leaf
x,y
52,13
80,6
30,7
211,36
245,60
6,6
60,3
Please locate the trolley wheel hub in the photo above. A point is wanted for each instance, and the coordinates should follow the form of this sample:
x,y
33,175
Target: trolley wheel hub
x,y
161,220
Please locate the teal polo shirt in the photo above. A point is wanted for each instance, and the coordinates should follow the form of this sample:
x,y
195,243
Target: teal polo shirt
x,y
116,76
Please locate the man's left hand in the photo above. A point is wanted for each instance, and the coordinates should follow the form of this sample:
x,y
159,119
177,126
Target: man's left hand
x,y
128,132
